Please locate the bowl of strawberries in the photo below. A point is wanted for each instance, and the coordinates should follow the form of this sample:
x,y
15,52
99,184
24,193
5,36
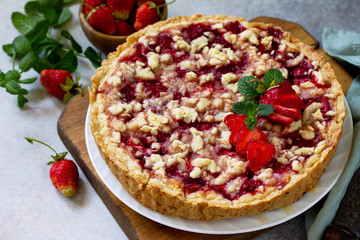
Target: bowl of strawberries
x,y
107,23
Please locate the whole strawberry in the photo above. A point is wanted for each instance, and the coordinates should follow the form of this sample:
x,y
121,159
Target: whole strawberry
x,y
123,28
146,14
121,9
101,19
59,83
63,173
90,4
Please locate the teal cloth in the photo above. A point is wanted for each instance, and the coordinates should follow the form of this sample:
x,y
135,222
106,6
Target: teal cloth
x,y
346,46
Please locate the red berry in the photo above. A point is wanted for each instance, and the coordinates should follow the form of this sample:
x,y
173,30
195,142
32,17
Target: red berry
x,y
258,154
123,28
93,4
237,125
299,72
121,9
245,136
65,177
102,20
145,15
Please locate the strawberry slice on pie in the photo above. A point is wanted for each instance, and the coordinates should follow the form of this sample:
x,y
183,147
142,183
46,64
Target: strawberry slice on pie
x,y
287,104
258,154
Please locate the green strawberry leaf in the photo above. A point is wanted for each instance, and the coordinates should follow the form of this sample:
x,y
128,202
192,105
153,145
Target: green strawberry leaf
x,y
76,46
12,87
248,90
27,61
273,77
9,49
93,56
265,110
22,100
64,17
251,122
23,23
239,108
68,62
21,46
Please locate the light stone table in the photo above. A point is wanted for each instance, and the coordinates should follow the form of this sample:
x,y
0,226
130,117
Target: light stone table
x,y
30,208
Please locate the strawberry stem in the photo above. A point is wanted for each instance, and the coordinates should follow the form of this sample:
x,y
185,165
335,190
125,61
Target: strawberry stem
x,y
57,157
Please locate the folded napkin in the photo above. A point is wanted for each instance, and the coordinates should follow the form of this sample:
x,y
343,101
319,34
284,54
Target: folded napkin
x,y
343,45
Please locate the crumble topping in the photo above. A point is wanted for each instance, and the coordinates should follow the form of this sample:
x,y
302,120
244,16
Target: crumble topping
x,y
166,99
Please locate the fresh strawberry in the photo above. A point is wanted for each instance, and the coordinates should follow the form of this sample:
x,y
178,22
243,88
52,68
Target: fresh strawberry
x,y
121,9
230,120
259,153
91,4
59,83
102,20
287,104
235,128
146,14
245,136
157,2
63,173
123,28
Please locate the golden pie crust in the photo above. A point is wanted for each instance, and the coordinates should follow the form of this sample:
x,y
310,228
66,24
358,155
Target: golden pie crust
x,y
165,194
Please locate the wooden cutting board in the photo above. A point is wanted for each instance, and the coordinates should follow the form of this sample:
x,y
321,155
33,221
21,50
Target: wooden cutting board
x,y
71,129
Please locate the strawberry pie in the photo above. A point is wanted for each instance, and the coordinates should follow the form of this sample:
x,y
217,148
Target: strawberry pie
x,y
213,117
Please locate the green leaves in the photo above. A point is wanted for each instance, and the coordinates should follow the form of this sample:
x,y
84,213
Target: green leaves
x,y
252,89
36,49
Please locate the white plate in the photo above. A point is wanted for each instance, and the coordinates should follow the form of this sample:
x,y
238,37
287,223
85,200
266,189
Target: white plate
x,y
235,225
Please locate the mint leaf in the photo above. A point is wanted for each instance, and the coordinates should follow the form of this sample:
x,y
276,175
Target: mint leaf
x,y
68,1
68,62
45,44
22,100
21,46
74,44
248,90
52,56
93,56
28,61
32,9
265,109
250,108
64,17
273,77
239,107
38,32
41,64
27,81
9,49
12,75
2,79
12,87
22,23
251,122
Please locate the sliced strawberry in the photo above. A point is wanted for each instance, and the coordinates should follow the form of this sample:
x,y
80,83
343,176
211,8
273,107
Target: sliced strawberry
x,y
237,125
230,120
245,136
283,88
294,113
258,154
280,119
288,100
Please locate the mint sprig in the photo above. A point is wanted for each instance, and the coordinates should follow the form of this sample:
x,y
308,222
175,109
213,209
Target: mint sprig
x,y
40,47
252,89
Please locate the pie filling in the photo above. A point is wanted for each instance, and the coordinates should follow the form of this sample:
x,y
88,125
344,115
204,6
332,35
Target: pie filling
x,y
170,92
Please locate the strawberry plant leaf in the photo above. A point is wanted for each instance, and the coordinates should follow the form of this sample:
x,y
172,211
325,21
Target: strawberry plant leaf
x,y
265,110
22,100
64,17
22,23
27,80
273,77
248,90
74,44
239,107
93,56
251,122
21,46
68,62
12,87
27,61
38,32
9,49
